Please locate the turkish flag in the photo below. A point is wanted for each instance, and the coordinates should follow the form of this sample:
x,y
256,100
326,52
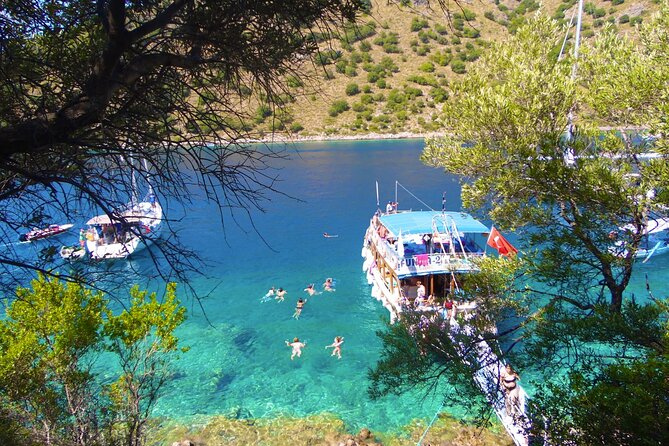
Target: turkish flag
x,y
501,244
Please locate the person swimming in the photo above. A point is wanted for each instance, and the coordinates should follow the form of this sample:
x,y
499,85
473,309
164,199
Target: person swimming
x,y
269,295
298,308
297,347
280,294
328,284
310,289
336,346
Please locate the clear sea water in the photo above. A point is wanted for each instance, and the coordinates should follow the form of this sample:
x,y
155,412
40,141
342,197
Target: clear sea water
x,y
238,363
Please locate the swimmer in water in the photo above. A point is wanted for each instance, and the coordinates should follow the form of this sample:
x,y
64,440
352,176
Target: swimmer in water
x,y
328,284
298,307
310,289
336,346
297,347
280,294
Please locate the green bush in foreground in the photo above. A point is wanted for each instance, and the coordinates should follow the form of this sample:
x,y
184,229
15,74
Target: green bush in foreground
x,y
48,339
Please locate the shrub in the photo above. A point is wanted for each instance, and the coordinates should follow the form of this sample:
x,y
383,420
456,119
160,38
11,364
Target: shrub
x,y
366,88
617,2
439,95
381,83
423,50
338,107
441,29
489,15
352,89
294,82
636,20
365,46
417,24
350,71
471,33
624,18
296,127
427,67
340,66
458,67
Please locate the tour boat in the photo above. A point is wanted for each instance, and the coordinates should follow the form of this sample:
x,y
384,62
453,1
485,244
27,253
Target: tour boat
x,y
416,261
49,231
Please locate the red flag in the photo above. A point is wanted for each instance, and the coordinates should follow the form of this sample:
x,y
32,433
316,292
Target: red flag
x,y
501,244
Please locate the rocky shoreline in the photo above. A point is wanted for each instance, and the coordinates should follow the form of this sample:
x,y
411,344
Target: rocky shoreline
x,y
324,429
284,138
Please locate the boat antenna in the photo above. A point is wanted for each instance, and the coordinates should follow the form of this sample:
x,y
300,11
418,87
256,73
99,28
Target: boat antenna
x,y
443,202
377,194
396,192
568,155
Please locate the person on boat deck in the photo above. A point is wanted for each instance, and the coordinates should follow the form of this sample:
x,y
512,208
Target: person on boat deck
x,y
327,285
508,378
419,302
429,301
91,234
420,291
82,237
297,347
336,346
389,207
449,306
280,294
383,232
298,308
310,289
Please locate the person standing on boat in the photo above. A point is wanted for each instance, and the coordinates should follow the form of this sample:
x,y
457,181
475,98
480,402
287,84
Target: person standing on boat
x,y
508,378
336,346
389,207
420,291
299,307
297,347
82,237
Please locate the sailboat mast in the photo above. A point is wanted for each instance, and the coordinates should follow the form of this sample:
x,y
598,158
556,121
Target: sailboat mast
x,y
568,156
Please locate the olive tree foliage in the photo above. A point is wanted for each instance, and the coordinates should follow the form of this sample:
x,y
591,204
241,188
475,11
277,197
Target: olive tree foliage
x,y
53,339
88,89
562,309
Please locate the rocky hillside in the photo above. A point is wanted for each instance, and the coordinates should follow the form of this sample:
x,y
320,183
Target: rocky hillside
x,y
390,73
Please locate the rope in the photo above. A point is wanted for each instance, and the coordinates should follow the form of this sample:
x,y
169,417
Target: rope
x,y
397,183
434,418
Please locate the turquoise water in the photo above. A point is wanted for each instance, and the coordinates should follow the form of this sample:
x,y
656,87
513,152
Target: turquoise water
x,y
238,359
238,363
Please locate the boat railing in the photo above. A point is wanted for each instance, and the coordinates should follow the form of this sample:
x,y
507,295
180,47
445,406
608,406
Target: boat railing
x,y
423,262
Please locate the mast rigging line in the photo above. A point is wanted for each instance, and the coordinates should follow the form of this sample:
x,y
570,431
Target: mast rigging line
x,y
397,183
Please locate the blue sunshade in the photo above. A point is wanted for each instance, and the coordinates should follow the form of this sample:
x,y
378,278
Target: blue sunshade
x,y
421,222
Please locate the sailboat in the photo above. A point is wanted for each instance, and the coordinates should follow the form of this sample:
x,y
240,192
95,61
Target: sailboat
x,y
128,230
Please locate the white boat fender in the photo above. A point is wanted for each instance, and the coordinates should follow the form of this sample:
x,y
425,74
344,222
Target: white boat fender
x,y
366,264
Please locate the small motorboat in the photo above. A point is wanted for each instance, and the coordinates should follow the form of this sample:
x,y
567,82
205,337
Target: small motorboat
x,y
49,231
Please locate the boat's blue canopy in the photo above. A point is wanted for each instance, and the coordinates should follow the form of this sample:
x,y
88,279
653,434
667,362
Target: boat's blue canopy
x,y
421,222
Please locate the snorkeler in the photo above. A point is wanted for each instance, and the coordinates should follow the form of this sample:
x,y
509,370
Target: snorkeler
x,y
269,295
336,346
298,307
297,347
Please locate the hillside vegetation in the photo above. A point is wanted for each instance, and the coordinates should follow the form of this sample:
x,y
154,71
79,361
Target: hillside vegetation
x,y
390,72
